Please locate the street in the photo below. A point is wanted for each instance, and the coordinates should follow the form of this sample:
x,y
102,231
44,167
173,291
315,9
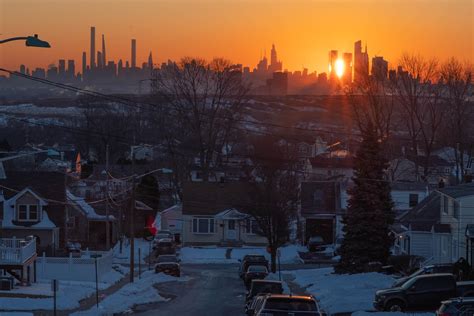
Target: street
x,y
215,289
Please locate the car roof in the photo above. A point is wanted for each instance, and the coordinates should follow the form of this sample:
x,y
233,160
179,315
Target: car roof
x,y
165,240
267,281
289,296
432,275
459,300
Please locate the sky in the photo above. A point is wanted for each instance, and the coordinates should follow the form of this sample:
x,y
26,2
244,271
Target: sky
x,y
240,30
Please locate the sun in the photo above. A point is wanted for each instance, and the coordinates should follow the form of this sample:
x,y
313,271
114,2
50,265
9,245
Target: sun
x,y
339,67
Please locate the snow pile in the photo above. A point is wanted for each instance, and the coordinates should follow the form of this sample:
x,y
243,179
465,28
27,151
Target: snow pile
x,y
124,257
139,292
342,293
68,296
204,255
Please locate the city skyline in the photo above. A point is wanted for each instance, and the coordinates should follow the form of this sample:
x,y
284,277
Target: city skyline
x,y
301,45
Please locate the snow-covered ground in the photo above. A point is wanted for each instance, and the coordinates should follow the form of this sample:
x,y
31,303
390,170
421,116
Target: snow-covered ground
x,y
390,314
31,109
139,292
68,296
289,254
342,293
124,257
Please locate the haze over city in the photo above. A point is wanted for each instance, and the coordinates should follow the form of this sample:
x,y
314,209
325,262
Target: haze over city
x,y
239,30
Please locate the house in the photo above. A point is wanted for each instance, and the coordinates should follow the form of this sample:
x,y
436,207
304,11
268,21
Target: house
x,y
321,212
457,211
211,215
18,258
327,168
406,195
34,203
419,232
404,170
171,219
86,226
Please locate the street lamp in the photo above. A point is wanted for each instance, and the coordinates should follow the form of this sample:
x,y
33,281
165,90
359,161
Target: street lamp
x,y
32,41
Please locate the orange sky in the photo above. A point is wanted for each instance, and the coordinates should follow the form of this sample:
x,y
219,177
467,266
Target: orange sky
x,y
303,30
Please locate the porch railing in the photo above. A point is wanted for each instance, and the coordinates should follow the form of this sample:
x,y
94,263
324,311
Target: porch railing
x,y
16,251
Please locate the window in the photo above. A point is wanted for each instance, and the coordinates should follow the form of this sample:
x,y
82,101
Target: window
x,y
455,209
445,205
318,198
413,200
203,226
28,212
251,226
231,224
423,285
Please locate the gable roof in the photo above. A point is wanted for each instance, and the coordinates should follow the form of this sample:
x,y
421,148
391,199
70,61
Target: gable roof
x,y
425,215
458,191
211,198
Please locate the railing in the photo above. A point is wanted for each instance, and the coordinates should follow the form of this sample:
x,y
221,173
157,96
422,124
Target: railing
x,y
16,251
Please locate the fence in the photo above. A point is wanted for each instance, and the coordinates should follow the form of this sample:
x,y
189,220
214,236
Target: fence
x,y
74,269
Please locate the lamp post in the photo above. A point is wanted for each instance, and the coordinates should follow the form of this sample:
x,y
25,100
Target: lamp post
x,y
32,41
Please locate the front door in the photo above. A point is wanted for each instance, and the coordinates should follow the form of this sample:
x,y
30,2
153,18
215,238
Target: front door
x,y
231,232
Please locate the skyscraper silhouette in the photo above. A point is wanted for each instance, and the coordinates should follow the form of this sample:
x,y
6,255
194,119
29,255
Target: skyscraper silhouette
x,y
84,64
92,52
361,62
104,58
332,64
134,53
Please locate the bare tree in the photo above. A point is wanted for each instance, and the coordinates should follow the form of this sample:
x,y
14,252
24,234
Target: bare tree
x,y
372,99
422,111
456,78
206,99
274,192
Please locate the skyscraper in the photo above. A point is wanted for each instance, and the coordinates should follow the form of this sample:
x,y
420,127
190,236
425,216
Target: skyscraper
x,y
150,61
104,58
347,77
134,53
84,64
62,67
379,68
332,64
99,60
275,64
361,62
92,52
71,68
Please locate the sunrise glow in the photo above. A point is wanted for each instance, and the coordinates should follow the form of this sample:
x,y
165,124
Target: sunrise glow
x,y
339,68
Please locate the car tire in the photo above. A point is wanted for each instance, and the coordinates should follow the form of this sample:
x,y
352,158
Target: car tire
x,y
395,306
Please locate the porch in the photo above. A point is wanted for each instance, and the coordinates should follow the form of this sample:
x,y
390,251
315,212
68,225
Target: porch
x,y
14,251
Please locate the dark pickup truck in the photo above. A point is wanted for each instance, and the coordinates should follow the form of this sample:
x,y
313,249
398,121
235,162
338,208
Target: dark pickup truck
x,y
424,292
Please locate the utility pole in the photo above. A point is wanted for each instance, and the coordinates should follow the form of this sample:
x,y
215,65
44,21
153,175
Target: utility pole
x,y
132,224
107,223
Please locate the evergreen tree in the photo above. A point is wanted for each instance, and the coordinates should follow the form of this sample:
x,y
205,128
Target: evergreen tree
x,y
369,214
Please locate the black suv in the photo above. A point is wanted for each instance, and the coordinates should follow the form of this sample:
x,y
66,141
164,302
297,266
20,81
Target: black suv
x,y
457,307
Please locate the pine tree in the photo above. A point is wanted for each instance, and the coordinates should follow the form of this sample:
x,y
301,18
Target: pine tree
x,y
369,214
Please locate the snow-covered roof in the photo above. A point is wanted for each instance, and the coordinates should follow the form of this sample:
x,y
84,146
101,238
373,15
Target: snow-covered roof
x,y
231,213
86,208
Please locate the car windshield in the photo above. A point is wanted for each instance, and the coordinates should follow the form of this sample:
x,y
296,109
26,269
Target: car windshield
x,y
162,235
316,239
295,305
254,258
262,287
167,259
409,283
257,269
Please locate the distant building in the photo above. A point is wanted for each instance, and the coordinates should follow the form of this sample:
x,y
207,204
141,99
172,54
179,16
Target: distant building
x,y
71,68
275,64
379,68
278,84
361,62
92,52
347,77
332,64
134,53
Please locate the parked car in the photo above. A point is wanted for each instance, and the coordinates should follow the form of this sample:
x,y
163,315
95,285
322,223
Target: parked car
x,y
436,268
167,258
316,243
170,268
255,272
251,259
162,235
457,307
280,304
423,292
164,246
262,287
256,301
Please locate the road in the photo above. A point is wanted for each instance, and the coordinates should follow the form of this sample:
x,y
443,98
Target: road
x,y
214,290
